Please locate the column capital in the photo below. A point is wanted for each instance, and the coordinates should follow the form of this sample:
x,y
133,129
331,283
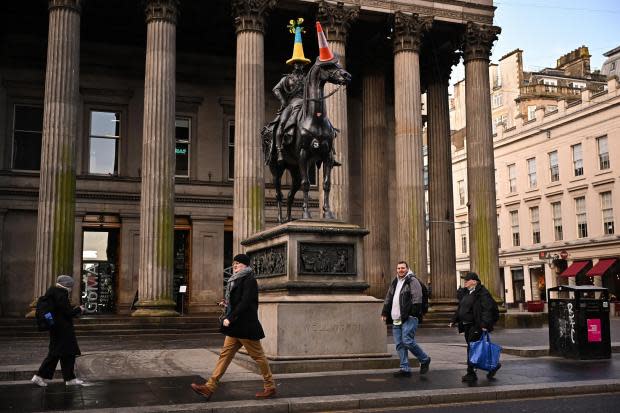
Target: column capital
x,y
73,5
478,40
408,31
162,10
250,15
336,19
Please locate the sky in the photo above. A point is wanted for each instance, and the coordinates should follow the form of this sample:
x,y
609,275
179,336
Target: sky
x,y
546,30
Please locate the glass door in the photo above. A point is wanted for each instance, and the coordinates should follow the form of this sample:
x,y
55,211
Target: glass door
x,y
99,271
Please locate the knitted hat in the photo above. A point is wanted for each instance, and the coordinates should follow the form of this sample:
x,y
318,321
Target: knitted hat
x,y
65,280
242,259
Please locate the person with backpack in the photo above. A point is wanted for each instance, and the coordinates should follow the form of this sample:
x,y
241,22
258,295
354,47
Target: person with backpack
x,y
403,308
477,312
63,345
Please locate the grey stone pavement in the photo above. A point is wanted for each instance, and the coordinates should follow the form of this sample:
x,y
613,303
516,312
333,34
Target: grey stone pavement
x,y
139,374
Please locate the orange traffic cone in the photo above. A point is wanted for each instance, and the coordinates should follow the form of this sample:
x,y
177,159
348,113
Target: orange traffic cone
x,y
325,53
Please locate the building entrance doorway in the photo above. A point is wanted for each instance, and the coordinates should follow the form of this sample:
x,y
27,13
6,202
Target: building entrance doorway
x,y
182,263
98,285
518,284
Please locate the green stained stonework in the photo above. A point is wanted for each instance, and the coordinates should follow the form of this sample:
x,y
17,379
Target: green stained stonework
x,y
256,197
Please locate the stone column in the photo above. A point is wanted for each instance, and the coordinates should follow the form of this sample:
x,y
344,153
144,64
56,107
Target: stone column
x,y
375,183
441,205
411,242
56,209
249,184
157,195
335,20
484,257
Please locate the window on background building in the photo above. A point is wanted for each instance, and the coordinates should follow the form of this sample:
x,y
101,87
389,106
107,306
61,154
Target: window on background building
x,y
603,152
582,219
554,166
231,150
608,213
531,112
534,219
578,85
514,223
496,180
105,134
27,136
531,173
499,238
497,100
182,150
551,108
556,212
577,160
464,240
425,177
461,188
512,178
550,85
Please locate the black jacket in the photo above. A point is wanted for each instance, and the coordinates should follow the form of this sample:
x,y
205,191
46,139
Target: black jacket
x,y
62,335
407,306
482,309
243,315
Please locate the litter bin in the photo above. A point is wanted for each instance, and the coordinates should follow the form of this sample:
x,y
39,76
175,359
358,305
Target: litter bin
x,y
579,322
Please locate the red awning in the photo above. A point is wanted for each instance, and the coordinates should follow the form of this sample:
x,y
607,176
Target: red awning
x,y
601,267
574,269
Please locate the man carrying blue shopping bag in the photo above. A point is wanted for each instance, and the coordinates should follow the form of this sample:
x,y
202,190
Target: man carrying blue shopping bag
x,y
476,315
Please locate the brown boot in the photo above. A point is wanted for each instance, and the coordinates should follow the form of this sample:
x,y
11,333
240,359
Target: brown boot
x,y
266,394
202,390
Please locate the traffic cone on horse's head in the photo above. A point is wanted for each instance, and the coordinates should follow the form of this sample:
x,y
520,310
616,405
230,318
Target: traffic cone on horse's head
x,y
298,50
325,53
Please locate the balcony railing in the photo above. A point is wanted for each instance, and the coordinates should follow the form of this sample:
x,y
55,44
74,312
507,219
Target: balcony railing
x,y
550,90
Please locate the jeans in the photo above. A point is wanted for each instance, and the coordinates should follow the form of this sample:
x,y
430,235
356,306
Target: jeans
x,y
404,338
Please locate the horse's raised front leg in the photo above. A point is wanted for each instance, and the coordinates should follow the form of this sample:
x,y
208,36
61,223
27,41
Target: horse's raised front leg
x,y
327,185
305,183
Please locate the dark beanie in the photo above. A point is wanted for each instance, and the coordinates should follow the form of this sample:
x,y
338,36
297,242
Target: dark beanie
x,y
242,259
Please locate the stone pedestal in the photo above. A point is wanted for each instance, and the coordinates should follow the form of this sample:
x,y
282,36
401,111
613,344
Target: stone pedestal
x,y
312,304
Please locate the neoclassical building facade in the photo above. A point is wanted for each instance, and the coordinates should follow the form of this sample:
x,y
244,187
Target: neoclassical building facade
x,y
130,151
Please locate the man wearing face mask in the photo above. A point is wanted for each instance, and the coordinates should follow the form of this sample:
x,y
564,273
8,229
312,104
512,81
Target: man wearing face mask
x,y
477,312
63,345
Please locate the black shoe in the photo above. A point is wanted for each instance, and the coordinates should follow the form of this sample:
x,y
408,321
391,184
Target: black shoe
x,y
491,373
424,366
402,373
469,378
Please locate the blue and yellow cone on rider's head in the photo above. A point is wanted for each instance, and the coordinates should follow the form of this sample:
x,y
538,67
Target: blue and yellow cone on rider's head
x,y
298,49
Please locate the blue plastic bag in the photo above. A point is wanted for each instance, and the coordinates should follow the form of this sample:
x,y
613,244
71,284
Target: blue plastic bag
x,y
483,354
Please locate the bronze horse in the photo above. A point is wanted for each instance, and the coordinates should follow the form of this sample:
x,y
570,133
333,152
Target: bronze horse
x,y
313,141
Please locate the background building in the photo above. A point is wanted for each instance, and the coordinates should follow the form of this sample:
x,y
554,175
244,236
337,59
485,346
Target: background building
x,y
556,173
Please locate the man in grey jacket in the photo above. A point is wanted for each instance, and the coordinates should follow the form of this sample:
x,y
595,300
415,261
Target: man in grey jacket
x,y
403,309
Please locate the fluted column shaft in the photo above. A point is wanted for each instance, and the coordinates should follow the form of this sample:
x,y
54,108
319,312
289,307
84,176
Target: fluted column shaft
x,y
158,161
484,258
441,206
249,185
56,208
411,241
335,20
375,184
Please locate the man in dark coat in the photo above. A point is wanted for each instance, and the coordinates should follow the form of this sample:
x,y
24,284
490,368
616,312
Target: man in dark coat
x,y
63,343
476,313
242,328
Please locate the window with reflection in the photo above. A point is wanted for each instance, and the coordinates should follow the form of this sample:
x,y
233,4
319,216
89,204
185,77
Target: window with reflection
x,y
105,136
27,136
182,149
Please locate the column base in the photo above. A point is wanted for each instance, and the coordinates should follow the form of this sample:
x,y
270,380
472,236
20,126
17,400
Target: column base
x,y
158,308
32,308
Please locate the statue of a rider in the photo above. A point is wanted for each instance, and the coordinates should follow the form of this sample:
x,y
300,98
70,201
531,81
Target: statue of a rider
x,y
290,93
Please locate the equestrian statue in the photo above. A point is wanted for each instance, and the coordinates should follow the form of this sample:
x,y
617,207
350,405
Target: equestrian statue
x,y
301,134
